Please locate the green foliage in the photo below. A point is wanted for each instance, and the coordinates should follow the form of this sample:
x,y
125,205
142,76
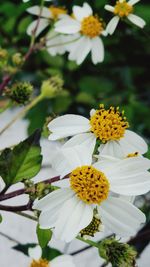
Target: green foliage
x,y
1,218
44,236
24,247
21,162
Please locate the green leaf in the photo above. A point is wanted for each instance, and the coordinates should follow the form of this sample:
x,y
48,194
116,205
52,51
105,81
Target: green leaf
x,y
22,162
50,253
24,247
1,218
44,236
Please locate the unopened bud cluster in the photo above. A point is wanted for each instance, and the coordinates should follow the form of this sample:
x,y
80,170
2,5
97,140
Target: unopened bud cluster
x,y
52,87
20,92
118,254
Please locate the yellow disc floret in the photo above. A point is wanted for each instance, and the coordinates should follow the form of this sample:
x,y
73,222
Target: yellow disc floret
x,y
108,124
92,228
57,11
133,155
40,263
90,184
91,26
122,9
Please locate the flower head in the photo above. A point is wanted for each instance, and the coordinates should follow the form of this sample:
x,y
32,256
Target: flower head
x,y
106,125
88,29
90,187
123,9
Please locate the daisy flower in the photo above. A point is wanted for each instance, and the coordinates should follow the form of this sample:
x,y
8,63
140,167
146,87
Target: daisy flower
x,y
123,9
47,14
107,125
88,28
90,186
60,261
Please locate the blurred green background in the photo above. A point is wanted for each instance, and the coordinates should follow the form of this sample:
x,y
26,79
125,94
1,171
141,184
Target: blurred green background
x,y
121,80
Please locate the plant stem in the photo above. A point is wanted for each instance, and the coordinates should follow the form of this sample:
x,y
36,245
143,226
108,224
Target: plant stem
x,y
22,112
87,241
26,215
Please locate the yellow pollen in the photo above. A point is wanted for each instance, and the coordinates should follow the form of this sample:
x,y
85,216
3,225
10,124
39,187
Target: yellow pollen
x,y
123,9
108,124
40,263
91,26
56,11
89,184
132,155
92,228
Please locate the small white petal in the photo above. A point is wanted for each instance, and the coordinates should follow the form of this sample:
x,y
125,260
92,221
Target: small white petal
x,y
67,25
120,216
111,148
92,112
43,23
97,50
109,8
36,10
132,142
133,2
112,25
35,253
62,261
68,125
80,49
81,12
137,20
74,216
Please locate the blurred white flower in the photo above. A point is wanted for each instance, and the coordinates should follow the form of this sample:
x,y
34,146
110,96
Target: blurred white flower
x,y
60,261
90,186
88,29
46,15
123,9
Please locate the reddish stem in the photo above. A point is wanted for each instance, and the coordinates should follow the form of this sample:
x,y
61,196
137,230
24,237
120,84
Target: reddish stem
x,y
5,81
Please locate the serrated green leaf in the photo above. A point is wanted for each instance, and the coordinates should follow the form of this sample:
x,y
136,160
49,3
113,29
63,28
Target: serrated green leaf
x,y
22,162
44,236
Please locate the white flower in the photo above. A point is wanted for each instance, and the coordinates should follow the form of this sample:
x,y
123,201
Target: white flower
x,y
47,14
60,261
123,9
108,126
70,209
25,1
88,29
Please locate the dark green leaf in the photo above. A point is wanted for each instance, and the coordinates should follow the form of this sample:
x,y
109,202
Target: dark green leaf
x,y
1,218
44,236
24,247
50,253
22,162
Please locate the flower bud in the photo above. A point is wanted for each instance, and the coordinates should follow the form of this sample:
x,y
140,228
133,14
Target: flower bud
x,y
17,59
118,254
21,92
52,87
3,54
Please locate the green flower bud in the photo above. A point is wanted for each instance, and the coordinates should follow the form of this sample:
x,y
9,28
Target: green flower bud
x,y
17,59
117,253
3,54
52,87
21,92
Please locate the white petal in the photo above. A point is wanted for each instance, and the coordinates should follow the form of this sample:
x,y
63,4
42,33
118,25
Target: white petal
x,y
120,216
48,218
109,8
67,25
68,125
97,50
62,261
112,25
80,49
111,148
133,2
132,142
35,253
92,112
81,12
36,10
52,200
74,216
132,185
43,23
137,20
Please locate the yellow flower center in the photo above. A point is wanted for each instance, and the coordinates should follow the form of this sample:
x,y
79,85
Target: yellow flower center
x,y
40,263
108,124
56,11
91,26
123,9
132,155
90,184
